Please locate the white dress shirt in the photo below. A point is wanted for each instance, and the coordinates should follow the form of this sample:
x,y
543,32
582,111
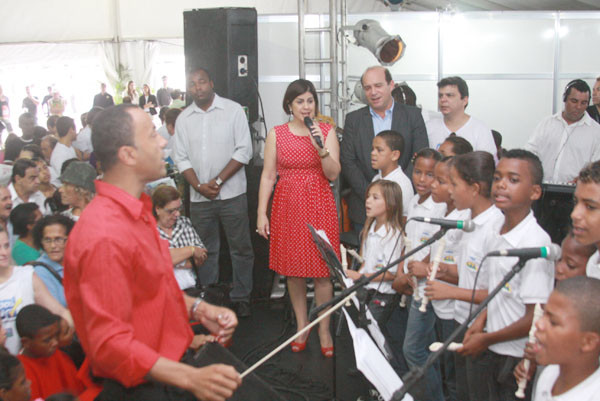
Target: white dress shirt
x,y
38,198
207,140
565,149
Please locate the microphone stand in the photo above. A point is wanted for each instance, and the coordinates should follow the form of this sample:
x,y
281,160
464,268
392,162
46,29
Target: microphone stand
x,y
366,280
417,372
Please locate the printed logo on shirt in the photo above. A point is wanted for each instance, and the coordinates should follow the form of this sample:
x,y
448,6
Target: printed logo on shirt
x,y
8,307
449,259
424,237
472,265
507,287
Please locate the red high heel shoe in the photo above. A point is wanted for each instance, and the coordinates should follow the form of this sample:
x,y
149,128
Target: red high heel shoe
x,y
298,346
327,351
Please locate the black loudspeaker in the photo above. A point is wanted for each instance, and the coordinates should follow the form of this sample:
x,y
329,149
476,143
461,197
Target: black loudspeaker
x,y
224,41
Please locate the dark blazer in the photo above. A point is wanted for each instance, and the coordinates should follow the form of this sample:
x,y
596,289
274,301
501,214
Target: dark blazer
x,y
355,150
151,99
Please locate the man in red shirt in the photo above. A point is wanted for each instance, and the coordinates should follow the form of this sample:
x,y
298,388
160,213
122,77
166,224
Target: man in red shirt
x,y
129,313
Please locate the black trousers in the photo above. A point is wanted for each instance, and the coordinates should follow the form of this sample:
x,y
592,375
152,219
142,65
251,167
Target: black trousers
x,y
150,391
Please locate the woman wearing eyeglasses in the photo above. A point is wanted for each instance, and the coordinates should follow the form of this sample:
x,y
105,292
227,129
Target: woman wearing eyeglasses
x,y
78,188
50,235
184,243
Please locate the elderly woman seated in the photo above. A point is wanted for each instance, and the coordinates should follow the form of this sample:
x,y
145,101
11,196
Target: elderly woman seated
x,y
78,187
184,243
50,235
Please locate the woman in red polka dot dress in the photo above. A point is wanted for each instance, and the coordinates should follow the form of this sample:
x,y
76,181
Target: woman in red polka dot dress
x,y
302,196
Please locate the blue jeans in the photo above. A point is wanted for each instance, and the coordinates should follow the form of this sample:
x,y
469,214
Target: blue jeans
x,y
233,215
420,333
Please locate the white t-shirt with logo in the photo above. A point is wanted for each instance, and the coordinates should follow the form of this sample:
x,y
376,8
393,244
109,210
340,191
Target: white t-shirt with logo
x,y
533,284
419,232
444,308
381,247
470,255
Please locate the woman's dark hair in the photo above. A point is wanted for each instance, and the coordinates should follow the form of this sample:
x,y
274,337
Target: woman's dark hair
x,y
9,365
41,224
476,168
428,153
22,216
162,195
297,88
460,145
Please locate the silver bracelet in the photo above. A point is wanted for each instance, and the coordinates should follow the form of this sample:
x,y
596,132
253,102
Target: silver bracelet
x,y
195,305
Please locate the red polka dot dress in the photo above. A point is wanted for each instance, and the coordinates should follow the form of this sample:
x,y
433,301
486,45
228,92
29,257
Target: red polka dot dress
x,y
302,195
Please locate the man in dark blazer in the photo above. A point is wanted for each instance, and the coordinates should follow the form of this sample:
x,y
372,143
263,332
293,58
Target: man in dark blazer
x,y
362,125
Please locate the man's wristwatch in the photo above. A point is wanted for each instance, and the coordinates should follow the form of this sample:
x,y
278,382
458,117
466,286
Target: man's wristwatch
x,y
219,181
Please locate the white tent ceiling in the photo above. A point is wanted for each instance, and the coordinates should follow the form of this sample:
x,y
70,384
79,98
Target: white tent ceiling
x,y
76,20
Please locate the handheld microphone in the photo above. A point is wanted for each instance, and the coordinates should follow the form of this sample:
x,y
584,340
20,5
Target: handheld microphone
x,y
465,225
309,123
550,252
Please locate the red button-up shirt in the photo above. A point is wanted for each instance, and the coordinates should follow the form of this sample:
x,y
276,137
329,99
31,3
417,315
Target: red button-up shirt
x,y
120,288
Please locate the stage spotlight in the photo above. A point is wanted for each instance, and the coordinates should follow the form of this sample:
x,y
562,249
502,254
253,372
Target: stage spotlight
x,y
387,48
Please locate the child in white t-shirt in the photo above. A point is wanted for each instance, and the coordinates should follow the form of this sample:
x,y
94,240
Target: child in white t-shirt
x,y
420,326
568,341
388,147
471,181
507,319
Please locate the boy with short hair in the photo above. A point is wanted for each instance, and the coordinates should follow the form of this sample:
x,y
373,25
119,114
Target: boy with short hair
x,y
507,319
574,258
48,368
568,341
586,214
387,149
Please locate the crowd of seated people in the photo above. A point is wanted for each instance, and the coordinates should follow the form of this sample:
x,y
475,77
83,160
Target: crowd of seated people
x,y
399,162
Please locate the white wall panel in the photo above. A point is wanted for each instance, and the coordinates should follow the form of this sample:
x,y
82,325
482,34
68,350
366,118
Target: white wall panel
x,y
579,51
498,44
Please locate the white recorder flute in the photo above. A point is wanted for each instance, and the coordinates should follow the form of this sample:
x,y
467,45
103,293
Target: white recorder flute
x,y
434,268
537,313
408,248
344,257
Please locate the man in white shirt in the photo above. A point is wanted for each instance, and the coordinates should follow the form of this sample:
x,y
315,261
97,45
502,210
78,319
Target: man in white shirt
x,y
212,145
24,185
83,143
567,141
453,99
63,151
